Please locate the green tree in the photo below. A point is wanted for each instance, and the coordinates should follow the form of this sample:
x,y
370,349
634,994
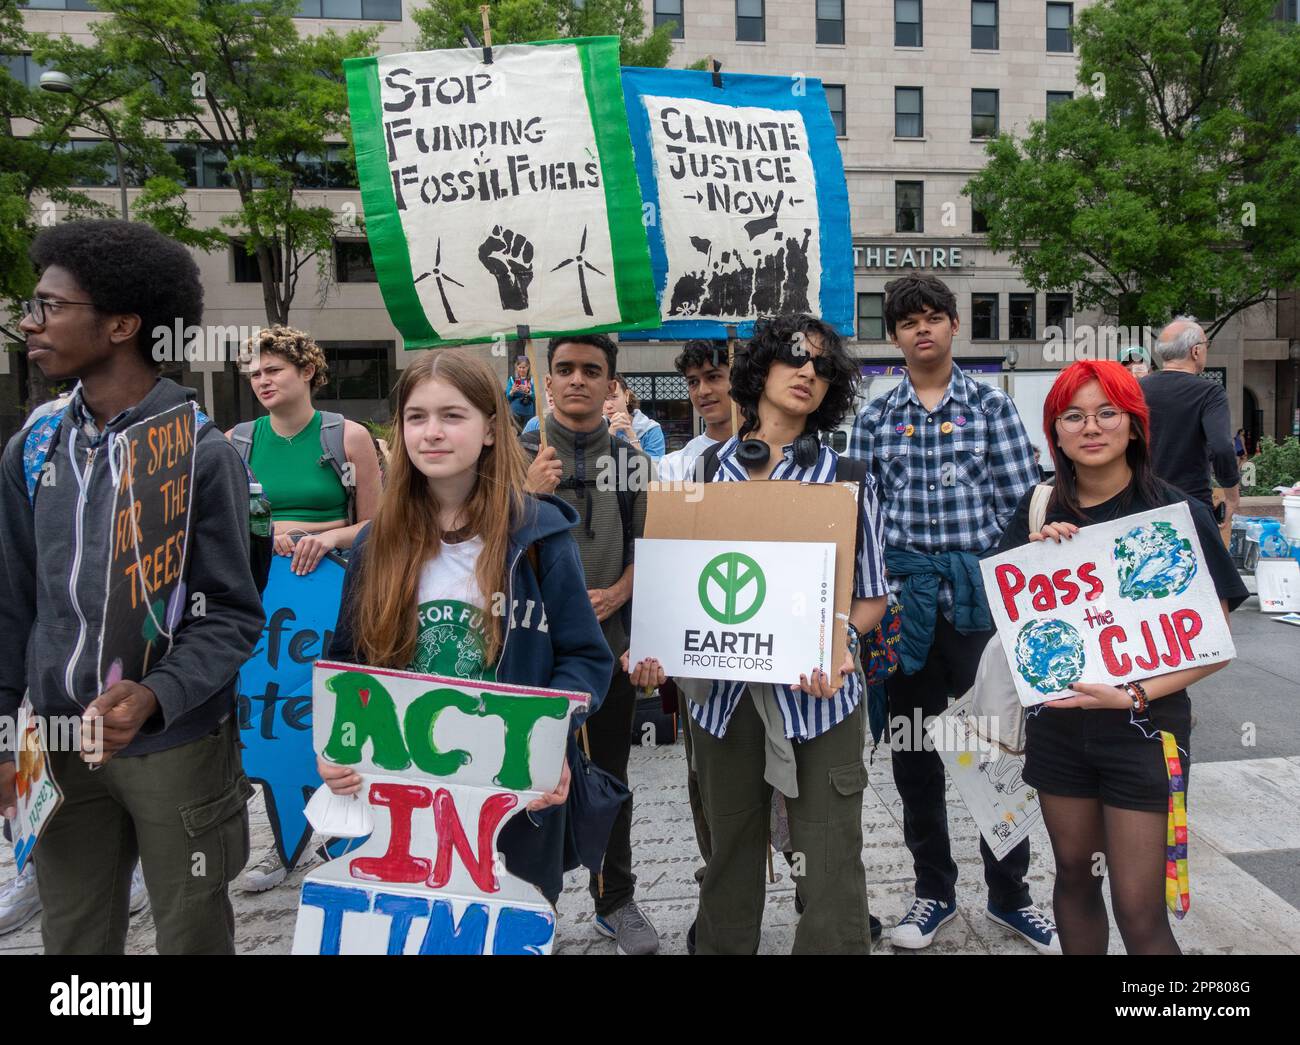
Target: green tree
x,y
1172,182
443,22
235,77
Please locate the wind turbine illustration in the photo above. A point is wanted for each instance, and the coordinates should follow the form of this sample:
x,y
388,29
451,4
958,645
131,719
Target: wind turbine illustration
x,y
583,264
438,276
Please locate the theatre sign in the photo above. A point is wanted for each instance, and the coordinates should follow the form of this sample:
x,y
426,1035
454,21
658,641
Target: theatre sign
x,y
871,256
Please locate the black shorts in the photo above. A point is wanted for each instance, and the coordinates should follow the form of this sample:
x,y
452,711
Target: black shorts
x,y
1105,753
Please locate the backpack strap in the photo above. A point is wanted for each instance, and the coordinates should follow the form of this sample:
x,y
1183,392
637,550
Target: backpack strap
x,y
1038,506
333,452
241,438
711,462
37,447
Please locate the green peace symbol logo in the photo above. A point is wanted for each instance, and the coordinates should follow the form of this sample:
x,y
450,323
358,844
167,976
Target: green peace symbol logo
x,y
734,574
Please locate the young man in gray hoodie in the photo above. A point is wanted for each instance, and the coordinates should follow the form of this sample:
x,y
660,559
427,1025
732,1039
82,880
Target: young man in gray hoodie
x,y
172,790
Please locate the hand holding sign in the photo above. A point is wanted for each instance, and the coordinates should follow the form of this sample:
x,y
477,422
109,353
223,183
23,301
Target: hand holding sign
x,y
121,710
8,790
1092,695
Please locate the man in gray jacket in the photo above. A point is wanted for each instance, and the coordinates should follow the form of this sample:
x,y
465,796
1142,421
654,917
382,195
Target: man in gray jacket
x,y
172,789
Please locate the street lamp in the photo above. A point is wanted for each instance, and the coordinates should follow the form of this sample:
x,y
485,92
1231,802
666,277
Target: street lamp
x,y
61,83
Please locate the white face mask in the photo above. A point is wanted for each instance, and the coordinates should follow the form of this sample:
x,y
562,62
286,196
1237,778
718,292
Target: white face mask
x,y
339,816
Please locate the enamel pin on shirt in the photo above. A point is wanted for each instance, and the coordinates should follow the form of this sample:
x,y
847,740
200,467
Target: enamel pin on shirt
x,y
946,428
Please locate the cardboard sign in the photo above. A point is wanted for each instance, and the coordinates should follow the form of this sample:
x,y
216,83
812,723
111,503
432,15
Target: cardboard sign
x,y
989,780
275,694
153,473
747,187
1122,600
757,611
444,762
503,194
764,510
39,796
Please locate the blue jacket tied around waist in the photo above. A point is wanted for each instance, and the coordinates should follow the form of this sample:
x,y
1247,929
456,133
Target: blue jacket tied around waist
x,y
919,596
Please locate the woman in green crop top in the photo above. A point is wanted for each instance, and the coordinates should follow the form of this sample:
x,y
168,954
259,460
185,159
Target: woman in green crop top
x,y
309,503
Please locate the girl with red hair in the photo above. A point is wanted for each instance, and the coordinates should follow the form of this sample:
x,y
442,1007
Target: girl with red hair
x,y
1108,762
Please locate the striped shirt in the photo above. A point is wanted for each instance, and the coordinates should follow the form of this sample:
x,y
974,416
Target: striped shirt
x,y
949,478
804,716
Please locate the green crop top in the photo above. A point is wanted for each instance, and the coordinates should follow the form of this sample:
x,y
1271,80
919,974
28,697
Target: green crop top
x,y
297,480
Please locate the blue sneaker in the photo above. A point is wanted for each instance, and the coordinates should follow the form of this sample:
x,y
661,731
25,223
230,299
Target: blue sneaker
x,y
1031,924
923,919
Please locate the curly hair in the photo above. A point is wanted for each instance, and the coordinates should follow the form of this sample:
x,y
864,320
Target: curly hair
x,y
293,346
701,354
916,293
749,374
127,268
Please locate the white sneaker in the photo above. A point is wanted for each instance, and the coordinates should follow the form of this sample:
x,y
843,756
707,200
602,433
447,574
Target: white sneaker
x,y
139,894
266,874
923,919
19,900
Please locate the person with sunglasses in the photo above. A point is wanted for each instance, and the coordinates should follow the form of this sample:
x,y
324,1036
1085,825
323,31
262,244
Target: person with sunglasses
x,y
805,738
1098,759
951,461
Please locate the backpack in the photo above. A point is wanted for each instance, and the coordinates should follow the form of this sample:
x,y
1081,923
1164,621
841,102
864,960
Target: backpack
x,y
40,441
332,452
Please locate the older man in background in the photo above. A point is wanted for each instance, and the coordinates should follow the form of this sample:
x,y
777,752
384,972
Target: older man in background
x,y
1191,424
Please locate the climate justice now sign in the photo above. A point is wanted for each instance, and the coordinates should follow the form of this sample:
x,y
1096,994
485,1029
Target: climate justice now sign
x,y
1122,600
445,762
756,611
502,194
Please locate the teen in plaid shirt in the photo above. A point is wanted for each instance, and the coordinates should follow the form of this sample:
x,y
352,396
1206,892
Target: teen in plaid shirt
x,y
951,460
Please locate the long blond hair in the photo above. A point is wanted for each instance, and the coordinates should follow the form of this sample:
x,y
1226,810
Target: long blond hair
x,y
405,534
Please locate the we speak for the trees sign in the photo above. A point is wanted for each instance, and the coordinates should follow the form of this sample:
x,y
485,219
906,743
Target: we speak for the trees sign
x,y
1122,600
445,762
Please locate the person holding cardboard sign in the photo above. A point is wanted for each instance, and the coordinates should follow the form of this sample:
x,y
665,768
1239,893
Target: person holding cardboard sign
x,y
805,738
462,573
1108,762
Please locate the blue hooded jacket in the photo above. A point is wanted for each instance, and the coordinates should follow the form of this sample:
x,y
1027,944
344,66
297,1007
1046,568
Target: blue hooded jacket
x,y
552,640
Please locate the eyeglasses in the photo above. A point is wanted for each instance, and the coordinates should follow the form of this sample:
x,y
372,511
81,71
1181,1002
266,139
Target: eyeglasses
x,y
38,307
1073,421
796,354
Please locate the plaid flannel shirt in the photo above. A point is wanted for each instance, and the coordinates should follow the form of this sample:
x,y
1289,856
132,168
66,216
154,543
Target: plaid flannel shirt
x,y
948,479
804,716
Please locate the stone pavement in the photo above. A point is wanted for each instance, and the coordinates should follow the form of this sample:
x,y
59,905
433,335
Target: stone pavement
x,y
1244,851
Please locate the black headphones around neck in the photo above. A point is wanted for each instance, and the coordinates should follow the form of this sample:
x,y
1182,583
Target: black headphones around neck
x,y
754,453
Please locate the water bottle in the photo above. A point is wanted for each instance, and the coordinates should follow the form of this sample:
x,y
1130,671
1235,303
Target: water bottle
x,y
259,512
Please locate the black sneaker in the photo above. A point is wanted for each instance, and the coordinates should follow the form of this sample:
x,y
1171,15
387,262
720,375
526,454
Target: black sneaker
x,y
690,939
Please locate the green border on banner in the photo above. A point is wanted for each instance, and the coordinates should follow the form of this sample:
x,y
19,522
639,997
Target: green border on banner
x,y
388,247
391,252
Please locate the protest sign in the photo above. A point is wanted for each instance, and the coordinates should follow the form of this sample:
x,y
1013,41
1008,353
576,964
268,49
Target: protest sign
x,y
747,205
275,687
989,780
758,611
760,510
153,476
1122,600
38,795
444,763
502,194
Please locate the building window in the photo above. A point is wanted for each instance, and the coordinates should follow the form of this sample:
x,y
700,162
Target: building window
x,y
664,397
1060,309
372,10
357,369
24,68
352,262
984,317
835,99
1055,98
58,5
909,112
871,317
983,114
245,264
907,23
667,11
1060,17
749,21
1020,317
984,25
830,21
909,206
979,220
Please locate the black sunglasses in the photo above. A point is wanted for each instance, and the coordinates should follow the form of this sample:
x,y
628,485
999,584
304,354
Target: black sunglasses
x,y
793,353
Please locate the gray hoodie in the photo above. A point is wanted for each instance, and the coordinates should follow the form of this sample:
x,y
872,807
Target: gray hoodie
x,y
53,569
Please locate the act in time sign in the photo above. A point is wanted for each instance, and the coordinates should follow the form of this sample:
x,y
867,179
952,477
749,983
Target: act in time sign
x,y
757,611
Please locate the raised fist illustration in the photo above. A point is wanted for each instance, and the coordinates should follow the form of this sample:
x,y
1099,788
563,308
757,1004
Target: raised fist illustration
x,y
509,257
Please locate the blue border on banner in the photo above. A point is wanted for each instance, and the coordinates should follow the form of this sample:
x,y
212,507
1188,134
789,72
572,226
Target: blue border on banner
x,y
769,92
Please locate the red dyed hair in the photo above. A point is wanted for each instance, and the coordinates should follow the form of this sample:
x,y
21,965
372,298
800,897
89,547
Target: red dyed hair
x,y
1122,391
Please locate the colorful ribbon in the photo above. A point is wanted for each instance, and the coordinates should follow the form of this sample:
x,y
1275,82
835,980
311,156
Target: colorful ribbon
x,y
1178,889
